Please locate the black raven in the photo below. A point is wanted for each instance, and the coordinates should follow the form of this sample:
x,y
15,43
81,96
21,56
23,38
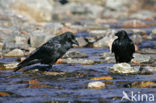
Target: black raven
x,y
49,52
123,47
63,1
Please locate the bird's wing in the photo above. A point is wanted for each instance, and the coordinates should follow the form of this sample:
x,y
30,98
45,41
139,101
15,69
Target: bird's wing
x,y
46,50
114,46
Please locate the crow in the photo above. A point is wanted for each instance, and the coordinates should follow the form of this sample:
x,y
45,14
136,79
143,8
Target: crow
x,y
51,51
123,47
63,1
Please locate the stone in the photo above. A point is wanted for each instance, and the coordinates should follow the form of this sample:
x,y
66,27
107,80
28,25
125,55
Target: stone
x,y
137,38
106,41
15,53
124,68
75,54
140,58
10,66
134,24
147,51
108,57
75,61
39,38
54,73
148,69
82,42
144,84
153,33
96,85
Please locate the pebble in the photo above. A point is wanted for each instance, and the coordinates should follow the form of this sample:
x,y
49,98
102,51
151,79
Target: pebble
x,y
96,85
76,61
75,54
140,58
15,53
123,68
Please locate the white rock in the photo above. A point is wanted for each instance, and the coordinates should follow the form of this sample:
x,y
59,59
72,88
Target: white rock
x,y
96,85
11,65
123,68
15,53
141,58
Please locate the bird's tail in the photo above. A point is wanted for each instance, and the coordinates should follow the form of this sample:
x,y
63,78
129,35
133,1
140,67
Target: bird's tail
x,y
17,68
22,64
26,62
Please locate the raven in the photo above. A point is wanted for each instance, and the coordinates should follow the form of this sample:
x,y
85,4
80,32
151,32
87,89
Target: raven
x,y
49,52
123,47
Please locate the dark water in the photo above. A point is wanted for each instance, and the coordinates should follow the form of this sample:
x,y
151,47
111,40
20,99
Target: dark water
x,y
71,86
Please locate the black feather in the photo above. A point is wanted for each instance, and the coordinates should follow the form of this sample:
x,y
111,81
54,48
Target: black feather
x,y
123,47
51,51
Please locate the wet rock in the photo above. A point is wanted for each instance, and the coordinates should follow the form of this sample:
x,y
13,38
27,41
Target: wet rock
x,y
15,53
147,69
54,73
108,57
82,42
101,78
75,54
15,40
76,61
3,94
106,41
134,24
123,68
137,38
139,58
96,85
153,34
38,38
144,84
147,51
10,66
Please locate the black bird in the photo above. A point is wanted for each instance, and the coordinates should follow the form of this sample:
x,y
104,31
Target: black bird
x,y
63,1
123,47
49,52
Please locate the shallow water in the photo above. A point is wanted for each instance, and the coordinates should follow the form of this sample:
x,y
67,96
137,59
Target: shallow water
x,y
71,86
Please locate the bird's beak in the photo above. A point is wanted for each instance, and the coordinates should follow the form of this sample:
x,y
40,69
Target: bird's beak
x,y
75,42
